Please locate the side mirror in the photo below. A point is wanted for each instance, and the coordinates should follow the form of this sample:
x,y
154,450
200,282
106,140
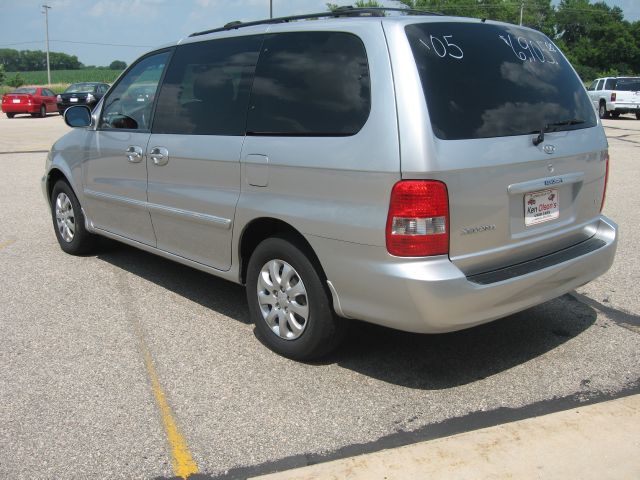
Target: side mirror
x,y
78,116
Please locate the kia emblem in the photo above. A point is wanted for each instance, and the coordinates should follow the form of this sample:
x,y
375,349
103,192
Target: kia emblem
x,y
549,149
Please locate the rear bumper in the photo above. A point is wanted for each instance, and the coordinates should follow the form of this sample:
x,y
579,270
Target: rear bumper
x,y
19,108
64,105
433,296
623,107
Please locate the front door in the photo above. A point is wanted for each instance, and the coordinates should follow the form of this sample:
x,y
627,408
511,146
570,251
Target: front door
x,y
115,177
194,151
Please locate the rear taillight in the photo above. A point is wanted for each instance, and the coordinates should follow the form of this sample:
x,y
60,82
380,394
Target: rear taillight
x,y
418,221
613,96
605,156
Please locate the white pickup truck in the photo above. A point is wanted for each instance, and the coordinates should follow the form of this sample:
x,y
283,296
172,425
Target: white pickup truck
x,y
613,96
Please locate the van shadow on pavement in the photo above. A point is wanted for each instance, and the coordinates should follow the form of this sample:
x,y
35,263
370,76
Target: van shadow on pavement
x,y
427,362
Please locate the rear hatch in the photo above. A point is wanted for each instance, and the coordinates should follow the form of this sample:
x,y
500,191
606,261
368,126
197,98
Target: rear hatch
x,y
628,92
491,90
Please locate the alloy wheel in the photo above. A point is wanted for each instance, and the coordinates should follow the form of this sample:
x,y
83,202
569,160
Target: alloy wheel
x,y
283,299
65,217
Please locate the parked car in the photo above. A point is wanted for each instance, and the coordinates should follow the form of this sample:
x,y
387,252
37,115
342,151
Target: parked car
x,y
346,168
86,93
613,96
36,101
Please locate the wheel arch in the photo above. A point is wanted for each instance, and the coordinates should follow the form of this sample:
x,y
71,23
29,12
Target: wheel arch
x,y
260,229
53,176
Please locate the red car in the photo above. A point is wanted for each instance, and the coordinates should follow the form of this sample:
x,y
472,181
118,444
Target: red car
x,y
38,101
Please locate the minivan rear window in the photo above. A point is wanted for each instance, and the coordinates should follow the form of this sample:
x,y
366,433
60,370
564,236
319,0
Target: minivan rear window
x,y
310,84
483,80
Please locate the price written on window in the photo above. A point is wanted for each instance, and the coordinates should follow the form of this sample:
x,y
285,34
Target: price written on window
x,y
530,50
442,46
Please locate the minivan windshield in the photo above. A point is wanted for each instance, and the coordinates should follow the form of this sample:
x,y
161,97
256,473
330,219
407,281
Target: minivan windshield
x,y
483,80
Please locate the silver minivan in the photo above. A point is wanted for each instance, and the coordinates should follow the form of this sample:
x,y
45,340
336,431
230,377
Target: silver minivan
x,y
422,172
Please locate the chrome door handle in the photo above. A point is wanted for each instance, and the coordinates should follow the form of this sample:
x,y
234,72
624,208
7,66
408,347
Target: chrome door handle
x,y
159,155
134,154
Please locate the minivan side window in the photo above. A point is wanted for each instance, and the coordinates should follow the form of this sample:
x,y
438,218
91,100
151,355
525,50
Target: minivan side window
x,y
206,88
129,104
310,84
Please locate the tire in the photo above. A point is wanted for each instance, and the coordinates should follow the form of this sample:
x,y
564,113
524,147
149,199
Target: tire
x,y
10,115
43,111
68,221
602,110
637,115
306,328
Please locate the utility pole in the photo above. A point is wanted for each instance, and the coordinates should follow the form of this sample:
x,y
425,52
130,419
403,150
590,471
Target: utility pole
x,y
46,22
270,8
521,10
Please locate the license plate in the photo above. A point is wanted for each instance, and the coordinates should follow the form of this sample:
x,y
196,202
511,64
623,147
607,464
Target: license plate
x,y
541,206
73,100
16,100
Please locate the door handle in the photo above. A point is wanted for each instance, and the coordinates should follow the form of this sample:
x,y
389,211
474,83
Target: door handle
x,y
134,154
159,155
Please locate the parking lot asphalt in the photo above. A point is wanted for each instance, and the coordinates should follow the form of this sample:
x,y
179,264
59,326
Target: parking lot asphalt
x,y
100,355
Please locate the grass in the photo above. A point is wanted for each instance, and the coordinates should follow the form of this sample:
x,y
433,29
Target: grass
x,y
61,79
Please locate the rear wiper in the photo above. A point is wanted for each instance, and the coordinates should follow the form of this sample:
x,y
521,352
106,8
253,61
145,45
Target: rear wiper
x,y
563,123
553,127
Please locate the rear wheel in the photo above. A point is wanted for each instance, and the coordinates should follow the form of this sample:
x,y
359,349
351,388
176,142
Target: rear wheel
x,y
68,221
43,111
289,303
11,115
637,115
602,110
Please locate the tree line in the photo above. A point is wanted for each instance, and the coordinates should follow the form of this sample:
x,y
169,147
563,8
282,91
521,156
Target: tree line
x,y
595,37
35,60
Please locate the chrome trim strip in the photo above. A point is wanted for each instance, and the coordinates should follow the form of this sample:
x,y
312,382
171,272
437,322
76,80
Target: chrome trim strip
x,y
544,183
219,222
116,199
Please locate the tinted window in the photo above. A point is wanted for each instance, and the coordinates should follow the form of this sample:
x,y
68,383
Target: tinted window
x,y
47,93
310,83
610,84
593,85
483,80
81,88
600,84
629,84
129,105
206,88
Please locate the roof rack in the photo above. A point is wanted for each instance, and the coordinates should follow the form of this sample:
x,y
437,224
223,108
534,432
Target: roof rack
x,y
339,12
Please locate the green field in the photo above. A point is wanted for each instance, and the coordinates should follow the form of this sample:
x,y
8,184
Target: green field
x,y
67,76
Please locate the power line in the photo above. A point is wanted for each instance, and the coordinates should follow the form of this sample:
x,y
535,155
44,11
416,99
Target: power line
x,y
79,43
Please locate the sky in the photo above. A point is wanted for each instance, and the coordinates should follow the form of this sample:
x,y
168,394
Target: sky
x,y
100,31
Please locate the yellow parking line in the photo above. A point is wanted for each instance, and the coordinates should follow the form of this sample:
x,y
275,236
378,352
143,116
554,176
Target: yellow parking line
x,y
6,244
183,463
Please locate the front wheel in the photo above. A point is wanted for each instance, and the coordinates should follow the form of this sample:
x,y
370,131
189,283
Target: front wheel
x,y
10,115
289,303
68,220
